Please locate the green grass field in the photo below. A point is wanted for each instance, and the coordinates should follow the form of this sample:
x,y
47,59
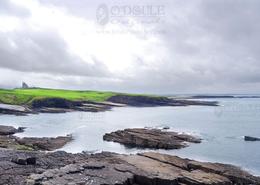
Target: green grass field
x,y
25,96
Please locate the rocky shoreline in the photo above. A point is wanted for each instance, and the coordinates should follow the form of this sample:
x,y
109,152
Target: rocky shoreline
x,y
151,138
115,169
9,141
60,105
37,167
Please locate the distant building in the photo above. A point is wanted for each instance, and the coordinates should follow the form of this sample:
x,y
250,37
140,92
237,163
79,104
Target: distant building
x,y
25,86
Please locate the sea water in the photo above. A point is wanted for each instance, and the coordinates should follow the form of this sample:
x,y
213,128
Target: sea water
x,y
222,129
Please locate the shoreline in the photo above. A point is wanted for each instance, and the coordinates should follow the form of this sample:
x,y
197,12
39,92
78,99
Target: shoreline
x,y
179,130
61,105
112,168
195,170
98,154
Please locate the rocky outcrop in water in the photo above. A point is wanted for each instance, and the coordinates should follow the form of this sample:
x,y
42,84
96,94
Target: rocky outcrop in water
x,y
7,140
44,143
250,138
115,169
36,168
34,143
9,130
151,138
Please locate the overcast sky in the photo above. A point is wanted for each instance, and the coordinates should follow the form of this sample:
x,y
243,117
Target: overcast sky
x,y
167,46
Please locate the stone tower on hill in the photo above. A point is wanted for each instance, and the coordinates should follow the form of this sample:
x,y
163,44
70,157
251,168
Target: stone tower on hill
x,y
25,86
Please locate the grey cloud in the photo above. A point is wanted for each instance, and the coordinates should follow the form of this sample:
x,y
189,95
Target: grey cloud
x,y
8,8
215,39
86,9
213,47
43,52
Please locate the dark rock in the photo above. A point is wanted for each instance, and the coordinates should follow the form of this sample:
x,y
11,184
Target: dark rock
x,y
139,100
249,138
179,102
148,101
220,96
54,103
115,169
60,105
7,140
166,128
44,143
7,130
21,129
150,138
22,159
143,169
31,160
93,166
211,96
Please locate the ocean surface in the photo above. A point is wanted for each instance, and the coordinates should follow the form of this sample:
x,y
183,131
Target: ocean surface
x,y
221,128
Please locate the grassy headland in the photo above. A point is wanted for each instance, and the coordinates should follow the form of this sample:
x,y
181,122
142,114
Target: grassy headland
x,y
26,96
38,99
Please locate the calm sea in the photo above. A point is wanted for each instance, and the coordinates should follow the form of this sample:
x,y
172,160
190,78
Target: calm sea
x,y
222,129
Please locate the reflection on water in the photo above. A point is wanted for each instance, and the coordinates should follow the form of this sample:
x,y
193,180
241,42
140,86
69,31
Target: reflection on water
x,y
222,129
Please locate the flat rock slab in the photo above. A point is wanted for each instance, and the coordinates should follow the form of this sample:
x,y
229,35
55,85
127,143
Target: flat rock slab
x,y
12,107
45,143
34,143
13,110
141,169
151,138
8,141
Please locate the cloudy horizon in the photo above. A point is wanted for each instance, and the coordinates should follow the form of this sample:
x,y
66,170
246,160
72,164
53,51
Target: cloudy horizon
x,y
167,47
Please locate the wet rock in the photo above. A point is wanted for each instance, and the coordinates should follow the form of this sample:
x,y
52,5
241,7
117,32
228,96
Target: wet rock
x,y
20,161
8,130
249,138
116,169
151,138
23,160
21,129
44,143
142,169
31,160
166,127
9,141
